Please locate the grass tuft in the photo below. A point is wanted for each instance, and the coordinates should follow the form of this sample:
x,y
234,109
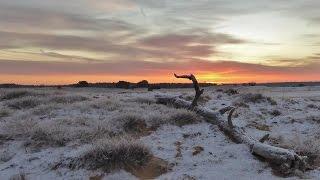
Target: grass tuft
x,y
24,103
183,117
256,98
131,123
16,94
68,99
115,153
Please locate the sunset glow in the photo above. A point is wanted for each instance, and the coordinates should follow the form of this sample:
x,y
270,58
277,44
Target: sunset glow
x,y
55,42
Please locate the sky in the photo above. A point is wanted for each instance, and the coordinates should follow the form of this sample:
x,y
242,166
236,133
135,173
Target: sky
x,y
220,41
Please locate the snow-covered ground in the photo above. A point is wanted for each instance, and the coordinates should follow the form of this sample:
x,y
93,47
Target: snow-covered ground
x,y
45,127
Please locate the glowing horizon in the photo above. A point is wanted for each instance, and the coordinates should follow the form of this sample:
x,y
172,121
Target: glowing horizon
x,y
50,42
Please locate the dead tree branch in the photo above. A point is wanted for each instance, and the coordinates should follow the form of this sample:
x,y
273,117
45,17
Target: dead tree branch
x,y
196,88
287,160
230,118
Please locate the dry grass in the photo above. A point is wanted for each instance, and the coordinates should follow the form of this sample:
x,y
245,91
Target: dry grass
x,y
275,112
183,117
17,94
130,122
106,104
60,119
256,98
68,99
20,176
46,110
76,130
27,102
231,92
47,134
307,147
202,99
19,126
144,100
115,153
74,120
4,113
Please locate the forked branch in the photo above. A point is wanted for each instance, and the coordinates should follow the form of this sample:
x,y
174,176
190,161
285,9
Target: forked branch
x,y
195,85
287,160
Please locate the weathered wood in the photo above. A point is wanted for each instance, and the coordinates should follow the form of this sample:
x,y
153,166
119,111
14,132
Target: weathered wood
x,y
287,160
196,87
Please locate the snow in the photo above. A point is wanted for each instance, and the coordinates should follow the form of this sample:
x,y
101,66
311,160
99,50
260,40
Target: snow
x,y
220,159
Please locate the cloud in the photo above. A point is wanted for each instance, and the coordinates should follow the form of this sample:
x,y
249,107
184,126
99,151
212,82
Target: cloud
x,y
179,40
227,69
44,21
66,42
137,37
156,47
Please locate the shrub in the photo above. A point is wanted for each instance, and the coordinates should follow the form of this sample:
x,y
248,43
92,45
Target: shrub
x,y
49,134
130,122
309,148
123,84
183,117
275,112
256,98
116,153
24,103
313,118
18,126
202,99
68,99
19,176
82,84
4,113
143,84
313,106
59,132
45,110
109,105
271,101
16,94
231,92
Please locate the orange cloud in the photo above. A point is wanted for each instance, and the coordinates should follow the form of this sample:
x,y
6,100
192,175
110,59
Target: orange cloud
x,y
26,72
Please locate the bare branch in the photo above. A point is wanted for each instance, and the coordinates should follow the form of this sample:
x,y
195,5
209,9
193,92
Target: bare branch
x,y
264,138
230,118
195,85
286,161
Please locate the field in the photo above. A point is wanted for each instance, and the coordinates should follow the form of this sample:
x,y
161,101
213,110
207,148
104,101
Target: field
x,y
97,133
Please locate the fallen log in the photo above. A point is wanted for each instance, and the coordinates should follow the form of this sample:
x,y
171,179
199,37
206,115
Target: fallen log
x,y
286,161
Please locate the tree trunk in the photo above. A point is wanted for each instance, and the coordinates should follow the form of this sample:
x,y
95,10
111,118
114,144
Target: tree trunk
x,y
287,161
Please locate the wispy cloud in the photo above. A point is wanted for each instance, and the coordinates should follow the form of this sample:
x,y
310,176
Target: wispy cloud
x,y
148,37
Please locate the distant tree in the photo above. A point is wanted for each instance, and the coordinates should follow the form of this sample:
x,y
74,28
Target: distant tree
x,y
82,84
143,84
123,84
252,83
